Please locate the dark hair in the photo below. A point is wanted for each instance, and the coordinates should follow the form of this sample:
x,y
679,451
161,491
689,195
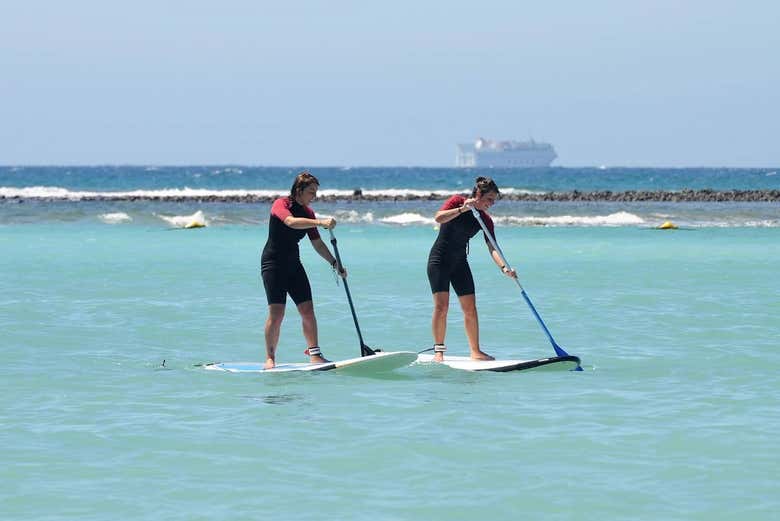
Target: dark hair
x,y
484,185
302,181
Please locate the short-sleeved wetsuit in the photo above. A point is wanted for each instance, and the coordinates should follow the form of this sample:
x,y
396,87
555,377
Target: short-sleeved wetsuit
x,y
447,262
281,266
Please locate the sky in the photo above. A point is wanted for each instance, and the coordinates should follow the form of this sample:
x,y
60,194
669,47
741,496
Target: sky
x,y
666,83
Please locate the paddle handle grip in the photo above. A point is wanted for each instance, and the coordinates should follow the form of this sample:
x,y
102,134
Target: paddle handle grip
x,y
333,241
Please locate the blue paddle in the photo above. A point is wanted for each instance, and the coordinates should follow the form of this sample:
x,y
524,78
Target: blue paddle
x,y
558,349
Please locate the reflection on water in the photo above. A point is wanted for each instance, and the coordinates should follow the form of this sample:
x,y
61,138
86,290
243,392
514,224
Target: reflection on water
x,y
276,399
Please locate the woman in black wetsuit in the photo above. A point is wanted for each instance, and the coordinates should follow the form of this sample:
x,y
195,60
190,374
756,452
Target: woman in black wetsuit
x,y
282,271
448,265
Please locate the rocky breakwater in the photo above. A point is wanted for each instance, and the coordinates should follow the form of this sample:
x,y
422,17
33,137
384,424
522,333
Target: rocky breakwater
x,y
629,196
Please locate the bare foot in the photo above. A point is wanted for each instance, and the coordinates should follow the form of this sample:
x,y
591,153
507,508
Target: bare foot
x,y
317,359
438,357
479,355
269,363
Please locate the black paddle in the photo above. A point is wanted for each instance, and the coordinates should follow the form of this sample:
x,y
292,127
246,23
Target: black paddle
x,y
364,349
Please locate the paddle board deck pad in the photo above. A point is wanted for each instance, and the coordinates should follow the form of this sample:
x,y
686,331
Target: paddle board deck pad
x,y
380,362
556,363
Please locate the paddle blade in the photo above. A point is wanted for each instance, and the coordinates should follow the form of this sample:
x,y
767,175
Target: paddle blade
x,y
562,353
367,351
558,349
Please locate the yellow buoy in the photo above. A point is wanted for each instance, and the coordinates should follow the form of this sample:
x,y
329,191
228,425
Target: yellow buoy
x,y
668,225
196,220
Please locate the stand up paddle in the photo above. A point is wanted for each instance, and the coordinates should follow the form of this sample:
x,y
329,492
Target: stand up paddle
x,y
371,361
364,349
558,349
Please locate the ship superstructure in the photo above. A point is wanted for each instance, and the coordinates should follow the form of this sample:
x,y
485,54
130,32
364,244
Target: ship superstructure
x,y
504,154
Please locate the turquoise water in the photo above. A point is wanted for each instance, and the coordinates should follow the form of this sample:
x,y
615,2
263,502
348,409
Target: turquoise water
x,y
674,416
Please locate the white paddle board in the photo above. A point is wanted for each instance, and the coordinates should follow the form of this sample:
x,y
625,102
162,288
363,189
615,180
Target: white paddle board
x,y
380,362
465,363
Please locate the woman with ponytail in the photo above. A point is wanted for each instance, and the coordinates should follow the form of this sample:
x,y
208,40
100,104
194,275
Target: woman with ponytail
x,y
448,264
282,271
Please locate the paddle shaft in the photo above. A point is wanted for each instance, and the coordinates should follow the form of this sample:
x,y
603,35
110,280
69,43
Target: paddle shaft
x,y
558,349
364,349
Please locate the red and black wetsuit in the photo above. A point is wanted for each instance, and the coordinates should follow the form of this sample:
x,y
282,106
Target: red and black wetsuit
x,y
447,262
281,266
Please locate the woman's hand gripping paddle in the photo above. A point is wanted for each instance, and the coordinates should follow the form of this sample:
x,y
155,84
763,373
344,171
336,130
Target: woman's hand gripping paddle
x,y
364,349
558,349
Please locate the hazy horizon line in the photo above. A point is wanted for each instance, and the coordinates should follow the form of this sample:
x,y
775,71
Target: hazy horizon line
x,y
344,167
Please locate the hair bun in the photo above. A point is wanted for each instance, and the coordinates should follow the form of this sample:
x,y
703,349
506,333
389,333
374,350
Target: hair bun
x,y
483,185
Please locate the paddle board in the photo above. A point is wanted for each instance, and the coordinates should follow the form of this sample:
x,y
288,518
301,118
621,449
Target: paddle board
x,y
380,362
467,364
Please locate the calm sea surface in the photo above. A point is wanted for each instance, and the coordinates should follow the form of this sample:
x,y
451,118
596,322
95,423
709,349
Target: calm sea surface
x,y
674,417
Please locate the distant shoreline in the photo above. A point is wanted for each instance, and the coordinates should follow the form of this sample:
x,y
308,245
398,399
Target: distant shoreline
x,y
629,196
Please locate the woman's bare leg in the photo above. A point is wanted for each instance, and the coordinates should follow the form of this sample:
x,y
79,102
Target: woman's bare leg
x,y
441,305
471,322
273,325
309,323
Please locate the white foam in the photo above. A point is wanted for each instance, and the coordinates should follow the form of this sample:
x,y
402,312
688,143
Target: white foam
x,y
115,218
54,192
407,218
352,216
520,191
405,192
765,223
614,219
33,192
